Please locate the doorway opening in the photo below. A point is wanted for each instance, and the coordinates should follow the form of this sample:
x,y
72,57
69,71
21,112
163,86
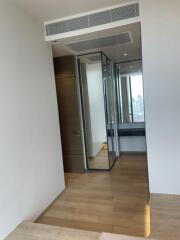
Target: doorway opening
x,y
104,81
99,85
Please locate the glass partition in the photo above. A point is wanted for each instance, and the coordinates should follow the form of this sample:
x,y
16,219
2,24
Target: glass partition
x,y
130,106
97,95
107,68
129,90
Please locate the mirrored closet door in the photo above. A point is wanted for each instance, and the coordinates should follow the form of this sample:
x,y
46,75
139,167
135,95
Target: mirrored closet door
x,y
96,83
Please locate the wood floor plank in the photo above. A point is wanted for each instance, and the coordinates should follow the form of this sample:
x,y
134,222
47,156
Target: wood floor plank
x,y
83,225
165,217
115,201
31,231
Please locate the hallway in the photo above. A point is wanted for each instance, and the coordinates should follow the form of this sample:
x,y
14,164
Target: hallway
x,y
115,201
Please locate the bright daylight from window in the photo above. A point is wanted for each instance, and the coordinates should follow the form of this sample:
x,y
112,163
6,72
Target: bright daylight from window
x,y
137,98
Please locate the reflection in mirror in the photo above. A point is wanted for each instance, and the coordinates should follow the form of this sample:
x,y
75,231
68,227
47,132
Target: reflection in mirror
x,y
97,91
130,107
94,111
130,92
110,106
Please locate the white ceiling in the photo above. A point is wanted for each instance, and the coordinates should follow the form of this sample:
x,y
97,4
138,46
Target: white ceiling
x,y
115,53
46,10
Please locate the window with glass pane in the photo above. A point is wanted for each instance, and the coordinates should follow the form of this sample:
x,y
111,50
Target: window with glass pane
x,y
137,97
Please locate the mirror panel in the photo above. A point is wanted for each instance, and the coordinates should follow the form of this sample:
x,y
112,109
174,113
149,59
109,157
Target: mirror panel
x,y
96,80
110,106
92,90
130,99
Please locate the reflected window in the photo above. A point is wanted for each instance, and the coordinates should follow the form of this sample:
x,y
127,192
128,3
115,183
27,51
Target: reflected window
x,y
130,92
137,100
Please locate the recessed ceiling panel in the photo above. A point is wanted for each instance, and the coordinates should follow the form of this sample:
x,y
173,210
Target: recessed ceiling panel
x,y
82,46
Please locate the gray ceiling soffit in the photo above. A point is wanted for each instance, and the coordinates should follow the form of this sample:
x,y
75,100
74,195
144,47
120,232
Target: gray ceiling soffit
x,y
82,46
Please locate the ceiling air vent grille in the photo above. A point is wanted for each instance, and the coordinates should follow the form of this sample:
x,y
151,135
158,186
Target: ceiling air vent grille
x,y
99,18
92,20
58,27
125,12
82,46
78,23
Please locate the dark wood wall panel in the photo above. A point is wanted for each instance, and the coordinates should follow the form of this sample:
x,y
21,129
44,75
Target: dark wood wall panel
x,y
67,98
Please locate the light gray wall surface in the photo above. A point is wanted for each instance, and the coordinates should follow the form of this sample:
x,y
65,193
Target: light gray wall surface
x,y
96,105
133,144
31,169
161,54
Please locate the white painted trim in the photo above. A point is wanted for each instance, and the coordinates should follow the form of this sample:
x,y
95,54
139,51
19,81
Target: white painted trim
x,y
93,29
91,12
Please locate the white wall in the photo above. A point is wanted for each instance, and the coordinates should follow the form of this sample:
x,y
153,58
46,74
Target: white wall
x,y
161,54
96,105
132,143
31,169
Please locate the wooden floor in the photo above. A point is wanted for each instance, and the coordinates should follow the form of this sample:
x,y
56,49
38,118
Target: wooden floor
x,y
32,231
165,217
100,161
115,201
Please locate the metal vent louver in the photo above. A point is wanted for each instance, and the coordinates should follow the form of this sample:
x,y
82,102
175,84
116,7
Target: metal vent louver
x,y
92,20
99,18
122,38
126,12
58,27
78,23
